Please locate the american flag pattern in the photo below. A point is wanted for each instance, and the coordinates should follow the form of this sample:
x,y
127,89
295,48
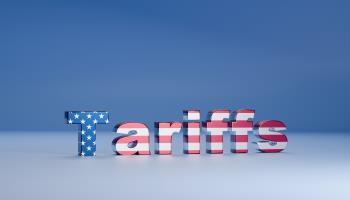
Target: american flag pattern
x,y
163,136
87,129
133,139
215,127
272,140
192,128
191,115
240,126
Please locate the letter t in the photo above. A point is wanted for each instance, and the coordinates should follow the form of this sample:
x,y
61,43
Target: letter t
x,y
87,131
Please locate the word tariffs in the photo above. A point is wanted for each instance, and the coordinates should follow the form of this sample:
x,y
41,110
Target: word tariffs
x,y
134,138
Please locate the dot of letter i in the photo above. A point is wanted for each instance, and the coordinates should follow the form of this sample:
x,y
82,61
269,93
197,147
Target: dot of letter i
x,y
87,131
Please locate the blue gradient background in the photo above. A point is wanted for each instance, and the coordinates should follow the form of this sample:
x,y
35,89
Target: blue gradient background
x,y
148,60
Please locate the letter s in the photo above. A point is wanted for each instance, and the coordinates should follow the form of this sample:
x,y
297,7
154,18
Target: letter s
x,y
272,140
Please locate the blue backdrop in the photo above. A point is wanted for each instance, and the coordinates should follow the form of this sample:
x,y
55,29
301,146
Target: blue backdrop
x,y
147,60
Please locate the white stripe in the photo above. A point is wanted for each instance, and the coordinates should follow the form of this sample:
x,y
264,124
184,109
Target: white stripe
x,y
240,145
163,146
244,116
167,131
216,131
192,146
193,131
241,131
267,145
138,147
214,145
219,116
269,131
192,116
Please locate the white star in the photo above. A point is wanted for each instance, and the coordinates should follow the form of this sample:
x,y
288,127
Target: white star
x,y
94,154
101,115
94,132
76,116
82,153
95,121
82,121
88,148
107,121
70,121
94,143
88,137
88,126
83,143
83,132
89,116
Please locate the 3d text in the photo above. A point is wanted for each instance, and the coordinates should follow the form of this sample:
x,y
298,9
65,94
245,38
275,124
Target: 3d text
x,y
133,137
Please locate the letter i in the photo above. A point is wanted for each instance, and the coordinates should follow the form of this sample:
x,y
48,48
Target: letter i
x,y
191,131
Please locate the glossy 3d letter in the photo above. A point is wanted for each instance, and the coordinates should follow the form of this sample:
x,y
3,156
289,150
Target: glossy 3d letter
x,y
215,127
164,134
133,139
192,128
87,129
240,127
272,140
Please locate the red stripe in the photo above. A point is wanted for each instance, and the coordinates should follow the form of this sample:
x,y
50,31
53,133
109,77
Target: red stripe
x,y
192,138
215,151
163,139
245,111
239,138
239,151
215,138
242,124
167,124
131,138
191,124
192,151
132,153
274,138
130,125
270,124
270,150
162,152
215,124
219,111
